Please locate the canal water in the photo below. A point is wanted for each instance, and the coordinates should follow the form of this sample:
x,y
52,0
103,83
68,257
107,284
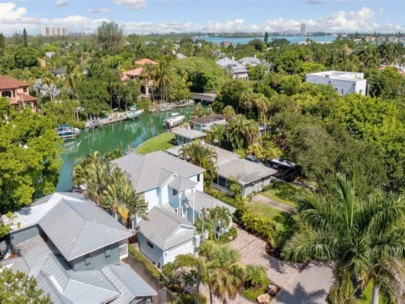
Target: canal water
x,y
125,135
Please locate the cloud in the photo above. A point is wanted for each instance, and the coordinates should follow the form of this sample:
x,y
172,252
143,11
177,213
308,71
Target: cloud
x,y
14,18
98,10
132,4
61,2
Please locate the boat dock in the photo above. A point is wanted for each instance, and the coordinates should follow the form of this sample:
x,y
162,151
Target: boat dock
x,y
113,118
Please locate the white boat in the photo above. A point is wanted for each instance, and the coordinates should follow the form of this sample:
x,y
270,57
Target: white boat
x,y
173,121
134,114
67,132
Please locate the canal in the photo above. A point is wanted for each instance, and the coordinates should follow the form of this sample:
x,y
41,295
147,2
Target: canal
x,y
125,135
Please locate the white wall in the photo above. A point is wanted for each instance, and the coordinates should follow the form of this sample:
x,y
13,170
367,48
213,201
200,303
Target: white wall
x,y
184,248
200,184
152,198
342,87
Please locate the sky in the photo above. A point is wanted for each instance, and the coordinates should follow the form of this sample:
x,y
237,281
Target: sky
x,y
213,16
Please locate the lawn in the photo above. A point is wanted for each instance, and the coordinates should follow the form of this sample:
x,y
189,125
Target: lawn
x,y
161,142
284,193
280,218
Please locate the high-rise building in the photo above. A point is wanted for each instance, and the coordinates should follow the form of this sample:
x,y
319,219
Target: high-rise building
x,y
49,31
303,31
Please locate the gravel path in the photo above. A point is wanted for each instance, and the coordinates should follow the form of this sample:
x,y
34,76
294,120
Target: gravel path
x,y
260,198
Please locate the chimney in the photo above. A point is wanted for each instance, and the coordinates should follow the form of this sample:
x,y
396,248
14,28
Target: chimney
x,y
255,56
233,58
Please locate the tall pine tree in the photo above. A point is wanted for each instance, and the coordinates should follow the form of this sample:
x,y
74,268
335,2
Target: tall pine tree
x,y
25,38
266,38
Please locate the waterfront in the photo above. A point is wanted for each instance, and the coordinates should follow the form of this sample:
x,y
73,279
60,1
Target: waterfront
x,y
245,40
125,135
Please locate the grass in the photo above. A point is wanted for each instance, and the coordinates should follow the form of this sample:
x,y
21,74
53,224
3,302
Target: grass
x,y
285,193
161,142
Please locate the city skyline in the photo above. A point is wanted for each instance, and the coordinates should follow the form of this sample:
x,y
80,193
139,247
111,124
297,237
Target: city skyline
x,y
165,16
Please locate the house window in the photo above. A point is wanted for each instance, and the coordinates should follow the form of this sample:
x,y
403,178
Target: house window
x,y
198,178
175,192
149,244
6,94
107,252
87,259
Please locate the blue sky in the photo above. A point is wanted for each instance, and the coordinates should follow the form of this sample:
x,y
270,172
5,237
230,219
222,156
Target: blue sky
x,y
144,16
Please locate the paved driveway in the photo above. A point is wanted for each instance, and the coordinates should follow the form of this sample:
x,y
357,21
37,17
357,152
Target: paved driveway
x,y
308,287
252,250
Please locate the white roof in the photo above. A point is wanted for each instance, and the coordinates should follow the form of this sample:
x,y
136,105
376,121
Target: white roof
x,y
188,133
340,75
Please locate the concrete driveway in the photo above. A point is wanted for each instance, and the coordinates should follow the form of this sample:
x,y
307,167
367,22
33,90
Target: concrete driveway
x,y
311,286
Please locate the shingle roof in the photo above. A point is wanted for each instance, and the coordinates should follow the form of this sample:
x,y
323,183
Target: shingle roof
x,y
161,226
244,171
188,133
79,227
11,83
181,183
200,200
129,284
154,169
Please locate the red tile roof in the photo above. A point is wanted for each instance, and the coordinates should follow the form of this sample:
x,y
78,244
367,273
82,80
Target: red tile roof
x,y
11,83
26,98
145,61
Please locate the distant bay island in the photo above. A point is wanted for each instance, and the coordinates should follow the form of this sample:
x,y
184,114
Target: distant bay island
x,y
245,40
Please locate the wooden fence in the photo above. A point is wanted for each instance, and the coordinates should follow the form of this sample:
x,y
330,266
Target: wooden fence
x,y
164,295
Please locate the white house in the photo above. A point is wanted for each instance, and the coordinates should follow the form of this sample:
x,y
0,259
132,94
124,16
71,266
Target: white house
x,y
173,190
343,82
234,68
251,177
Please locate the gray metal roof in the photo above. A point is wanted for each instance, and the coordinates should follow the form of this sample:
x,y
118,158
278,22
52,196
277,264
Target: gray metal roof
x,y
181,183
199,200
188,133
163,228
154,169
223,156
79,227
244,171
129,284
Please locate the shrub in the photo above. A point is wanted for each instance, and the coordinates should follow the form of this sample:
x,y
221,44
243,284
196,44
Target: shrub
x,y
143,104
238,202
187,298
145,262
258,225
252,293
229,236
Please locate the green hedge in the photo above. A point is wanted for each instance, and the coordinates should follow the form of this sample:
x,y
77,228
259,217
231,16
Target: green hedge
x,y
238,203
190,299
252,294
145,262
227,237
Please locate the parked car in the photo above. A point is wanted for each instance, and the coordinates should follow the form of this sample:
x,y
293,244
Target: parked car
x,y
286,170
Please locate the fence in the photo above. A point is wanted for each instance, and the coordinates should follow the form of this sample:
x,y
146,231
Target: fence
x,y
164,295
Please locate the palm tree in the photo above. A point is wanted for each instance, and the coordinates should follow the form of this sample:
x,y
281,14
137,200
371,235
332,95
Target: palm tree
x,y
72,74
221,218
163,78
255,275
364,239
224,273
201,156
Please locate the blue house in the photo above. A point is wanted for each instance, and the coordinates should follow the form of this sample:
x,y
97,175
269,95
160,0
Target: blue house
x,y
173,190
74,250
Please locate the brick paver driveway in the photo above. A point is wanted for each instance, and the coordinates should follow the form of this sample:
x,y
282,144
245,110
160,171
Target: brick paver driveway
x,y
252,250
